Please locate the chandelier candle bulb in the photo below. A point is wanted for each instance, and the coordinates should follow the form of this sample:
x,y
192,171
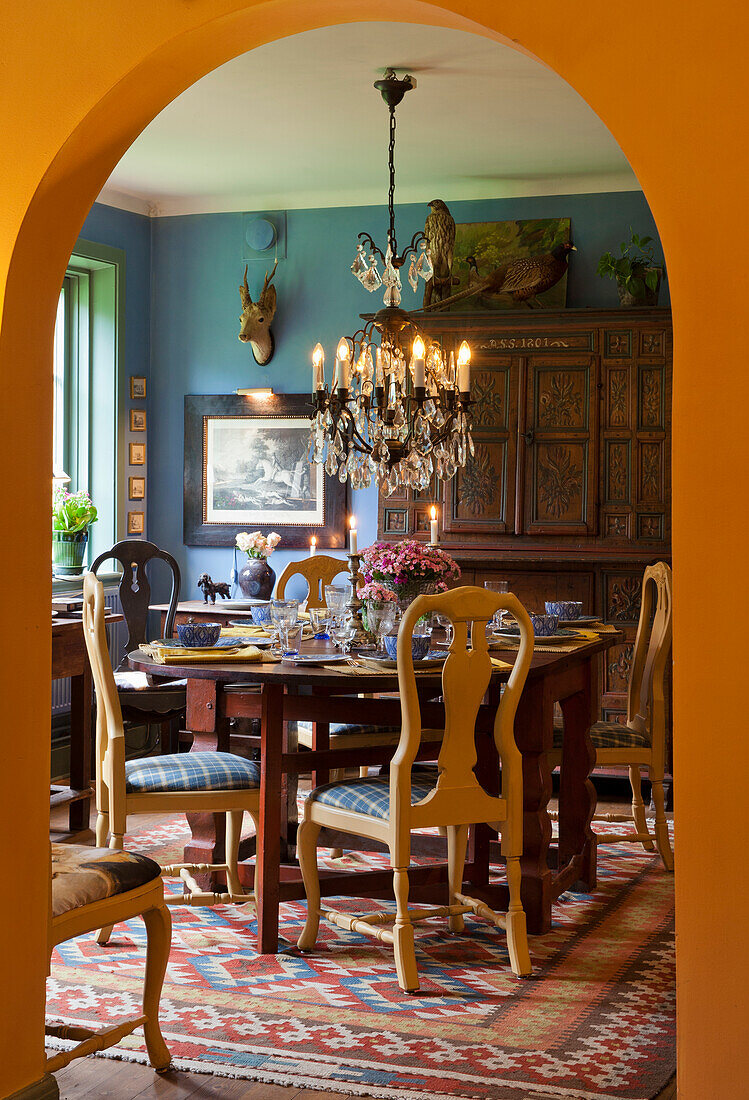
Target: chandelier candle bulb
x,y
342,366
464,368
417,364
312,546
353,537
434,536
318,367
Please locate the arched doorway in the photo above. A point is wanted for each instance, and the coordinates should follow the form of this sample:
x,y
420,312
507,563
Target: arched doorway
x,y
56,174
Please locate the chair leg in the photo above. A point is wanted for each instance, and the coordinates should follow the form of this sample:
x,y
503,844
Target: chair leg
x,y
403,935
116,841
158,941
306,850
662,839
638,806
336,774
517,935
234,820
457,839
102,829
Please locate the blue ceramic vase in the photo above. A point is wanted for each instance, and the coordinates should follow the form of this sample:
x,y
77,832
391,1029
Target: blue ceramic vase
x,y
256,579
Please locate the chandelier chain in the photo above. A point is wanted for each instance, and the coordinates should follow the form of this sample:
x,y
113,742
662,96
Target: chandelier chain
x,y
391,191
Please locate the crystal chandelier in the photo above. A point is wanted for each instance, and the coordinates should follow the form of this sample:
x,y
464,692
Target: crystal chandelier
x,y
398,410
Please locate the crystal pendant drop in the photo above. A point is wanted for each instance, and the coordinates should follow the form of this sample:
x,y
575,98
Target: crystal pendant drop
x,y
371,279
342,472
359,266
413,275
390,275
424,263
331,463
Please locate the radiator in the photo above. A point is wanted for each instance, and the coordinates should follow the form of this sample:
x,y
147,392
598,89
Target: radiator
x,y
117,634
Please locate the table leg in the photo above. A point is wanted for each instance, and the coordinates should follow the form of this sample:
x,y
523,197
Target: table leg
x,y
80,746
577,795
210,734
533,734
268,858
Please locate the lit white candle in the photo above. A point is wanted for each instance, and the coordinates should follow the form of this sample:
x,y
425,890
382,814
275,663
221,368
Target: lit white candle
x,y
353,539
417,363
464,368
379,370
342,365
434,537
318,368
312,546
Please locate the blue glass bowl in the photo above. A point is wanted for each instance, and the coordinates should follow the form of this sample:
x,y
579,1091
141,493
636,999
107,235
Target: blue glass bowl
x,y
419,646
565,609
260,614
544,625
193,635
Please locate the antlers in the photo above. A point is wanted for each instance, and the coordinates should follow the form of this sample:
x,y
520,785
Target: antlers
x,y
244,290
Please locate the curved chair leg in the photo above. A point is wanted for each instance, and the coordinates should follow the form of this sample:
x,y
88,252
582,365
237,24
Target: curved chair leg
x,y
306,850
336,774
662,839
116,841
102,829
638,806
234,820
403,935
158,941
457,839
517,935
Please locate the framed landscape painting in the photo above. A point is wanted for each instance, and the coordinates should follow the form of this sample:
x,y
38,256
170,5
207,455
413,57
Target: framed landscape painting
x,y
246,468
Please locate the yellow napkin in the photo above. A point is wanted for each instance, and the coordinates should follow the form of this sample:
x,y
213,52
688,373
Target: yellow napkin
x,y
589,635
504,665
248,654
249,631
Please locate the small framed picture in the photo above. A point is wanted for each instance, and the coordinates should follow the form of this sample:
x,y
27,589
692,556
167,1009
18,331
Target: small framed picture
x,y
422,521
137,420
137,454
396,521
136,523
136,488
137,387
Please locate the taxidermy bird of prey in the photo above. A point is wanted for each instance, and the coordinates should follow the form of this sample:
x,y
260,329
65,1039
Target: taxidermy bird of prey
x,y
439,230
523,280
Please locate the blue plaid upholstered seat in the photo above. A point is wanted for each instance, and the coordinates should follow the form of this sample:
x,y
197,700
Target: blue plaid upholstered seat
x,y
351,729
191,771
370,796
608,735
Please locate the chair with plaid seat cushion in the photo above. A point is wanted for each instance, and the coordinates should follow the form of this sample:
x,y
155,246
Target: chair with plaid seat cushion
x,y
387,809
91,887
641,742
200,782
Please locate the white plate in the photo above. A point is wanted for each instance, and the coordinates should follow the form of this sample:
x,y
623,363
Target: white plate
x,y
315,659
432,660
560,636
242,604
583,620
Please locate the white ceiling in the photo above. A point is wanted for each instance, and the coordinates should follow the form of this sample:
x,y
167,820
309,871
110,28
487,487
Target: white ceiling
x,y
297,124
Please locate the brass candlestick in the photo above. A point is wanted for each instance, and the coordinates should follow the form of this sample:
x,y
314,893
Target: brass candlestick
x,y
362,637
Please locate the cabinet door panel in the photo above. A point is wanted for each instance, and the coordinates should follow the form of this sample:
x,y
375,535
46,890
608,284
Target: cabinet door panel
x,y
560,435
481,497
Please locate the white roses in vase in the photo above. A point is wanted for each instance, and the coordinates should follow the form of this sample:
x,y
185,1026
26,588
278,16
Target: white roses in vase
x,y
257,545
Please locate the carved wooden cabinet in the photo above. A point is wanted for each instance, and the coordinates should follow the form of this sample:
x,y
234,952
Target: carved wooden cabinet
x,y
568,492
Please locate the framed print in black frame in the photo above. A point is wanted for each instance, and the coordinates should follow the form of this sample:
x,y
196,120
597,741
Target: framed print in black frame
x,y
246,469
396,521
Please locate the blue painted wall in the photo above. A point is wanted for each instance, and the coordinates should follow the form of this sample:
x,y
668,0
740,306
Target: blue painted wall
x,y
195,269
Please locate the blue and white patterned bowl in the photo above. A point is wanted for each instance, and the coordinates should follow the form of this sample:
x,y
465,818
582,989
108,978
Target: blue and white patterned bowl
x,y
260,613
544,625
565,609
193,635
419,646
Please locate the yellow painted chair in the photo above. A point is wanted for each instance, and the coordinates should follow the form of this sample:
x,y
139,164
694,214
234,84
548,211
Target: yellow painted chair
x,y
319,570
95,887
388,809
641,743
193,782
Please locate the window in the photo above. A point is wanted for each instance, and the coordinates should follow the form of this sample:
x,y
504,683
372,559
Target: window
x,y
88,392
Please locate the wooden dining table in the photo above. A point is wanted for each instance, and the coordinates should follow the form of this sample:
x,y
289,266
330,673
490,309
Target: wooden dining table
x,y
279,693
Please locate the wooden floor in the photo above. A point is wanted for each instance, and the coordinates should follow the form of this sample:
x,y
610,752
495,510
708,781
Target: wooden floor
x,y
95,1078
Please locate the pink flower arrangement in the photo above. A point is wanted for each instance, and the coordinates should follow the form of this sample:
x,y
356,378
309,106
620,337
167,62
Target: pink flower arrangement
x,y
406,566
373,590
256,544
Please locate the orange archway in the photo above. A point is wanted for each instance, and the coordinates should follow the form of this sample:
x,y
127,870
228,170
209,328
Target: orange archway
x,y
79,83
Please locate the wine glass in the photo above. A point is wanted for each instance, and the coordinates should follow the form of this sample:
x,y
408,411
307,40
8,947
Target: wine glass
x,y
381,619
337,597
446,624
343,632
501,587
318,617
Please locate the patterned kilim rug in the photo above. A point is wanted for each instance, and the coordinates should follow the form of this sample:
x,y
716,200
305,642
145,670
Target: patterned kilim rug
x,y
595,1022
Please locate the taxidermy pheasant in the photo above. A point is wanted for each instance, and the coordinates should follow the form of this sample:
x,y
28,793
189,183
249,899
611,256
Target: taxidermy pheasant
x,y
523,280
439,230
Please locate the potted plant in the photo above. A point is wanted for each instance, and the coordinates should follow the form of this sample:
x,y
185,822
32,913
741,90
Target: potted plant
x,y
256,578
72,515
637,274
408,568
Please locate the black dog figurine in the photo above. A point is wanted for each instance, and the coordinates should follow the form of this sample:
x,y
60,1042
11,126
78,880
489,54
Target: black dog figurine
x,y
208,588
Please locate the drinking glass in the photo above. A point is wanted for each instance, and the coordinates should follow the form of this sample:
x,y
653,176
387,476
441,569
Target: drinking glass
x,y
318,617
497,586
337,597
343,632
446,624
283,615
381,619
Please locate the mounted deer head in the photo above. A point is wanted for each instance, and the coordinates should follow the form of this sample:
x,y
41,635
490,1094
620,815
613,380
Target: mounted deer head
x,y
256,318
